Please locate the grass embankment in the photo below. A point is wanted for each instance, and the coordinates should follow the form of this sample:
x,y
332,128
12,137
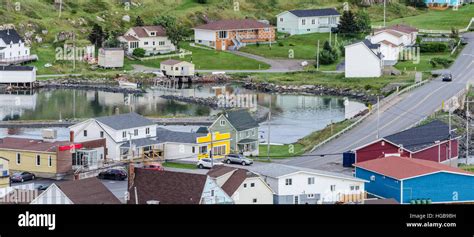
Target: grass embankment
x,y
437,19
179,165
281,151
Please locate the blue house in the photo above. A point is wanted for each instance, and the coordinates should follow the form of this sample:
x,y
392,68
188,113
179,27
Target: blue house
x,y
409,180
449,3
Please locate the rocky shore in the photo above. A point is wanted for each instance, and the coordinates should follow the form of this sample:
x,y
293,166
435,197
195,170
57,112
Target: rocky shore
x,y
106,85
309,89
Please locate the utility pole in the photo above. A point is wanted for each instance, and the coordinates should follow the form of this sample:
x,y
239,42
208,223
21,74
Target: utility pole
x,y
212,146
467,131
330,38
268,122
74,51
60,7
449,143
378,116
317,58
384,12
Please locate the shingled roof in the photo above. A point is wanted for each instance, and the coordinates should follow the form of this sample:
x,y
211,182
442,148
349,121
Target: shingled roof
x,y
88,191
165,135
27,144
10,35
167,187
400,28
234,25
234,181
403,168
316,12
125,121
141,31
240,119
418,138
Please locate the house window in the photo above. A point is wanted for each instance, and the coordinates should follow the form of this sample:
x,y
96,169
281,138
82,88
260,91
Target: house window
x,y
194,149
333,188
222,123
288,182
124,134
152,33
50,161
354,187
311,180
18,158
212,193
311,195
296,200
245,185
252,185
254,200
281,19
85,133
154,43
222,34
147,131
102,134
253,132
38,160
303,22
247,134
161,43
219,150
135,132
313,21
203,149
145,43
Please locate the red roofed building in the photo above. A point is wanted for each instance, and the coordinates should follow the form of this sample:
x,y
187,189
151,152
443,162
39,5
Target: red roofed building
x,y
431,141
233,34
410,180
153,39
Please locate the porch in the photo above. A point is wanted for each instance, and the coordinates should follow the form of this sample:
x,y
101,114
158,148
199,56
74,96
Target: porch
x,y
248,147
141,149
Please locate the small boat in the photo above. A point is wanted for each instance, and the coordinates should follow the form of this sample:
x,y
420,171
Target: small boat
x,y
127,84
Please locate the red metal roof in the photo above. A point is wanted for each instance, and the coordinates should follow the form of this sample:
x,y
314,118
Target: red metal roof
x,y
234,25
404,168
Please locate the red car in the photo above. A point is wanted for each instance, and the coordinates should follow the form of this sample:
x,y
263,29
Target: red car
x,y
156,166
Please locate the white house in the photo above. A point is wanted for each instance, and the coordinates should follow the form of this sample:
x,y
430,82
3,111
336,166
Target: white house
x,y
363,59
153,39
119,131
84,191
177,68
296,185
18,76
13,49
243,186
393,40
296,22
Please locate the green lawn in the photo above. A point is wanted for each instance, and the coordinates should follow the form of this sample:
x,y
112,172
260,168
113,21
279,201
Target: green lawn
x,y
438,19
298,46
317,137
179,165
331,80
424,65
280,151
211,60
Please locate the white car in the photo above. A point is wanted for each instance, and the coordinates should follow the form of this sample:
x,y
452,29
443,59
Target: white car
x,y
206,163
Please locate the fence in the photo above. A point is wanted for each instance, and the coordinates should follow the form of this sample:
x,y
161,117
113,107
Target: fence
x,y
382,103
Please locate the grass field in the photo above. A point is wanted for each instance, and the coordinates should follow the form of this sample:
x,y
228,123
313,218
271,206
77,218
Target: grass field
x,y
438,19
211,59
179,165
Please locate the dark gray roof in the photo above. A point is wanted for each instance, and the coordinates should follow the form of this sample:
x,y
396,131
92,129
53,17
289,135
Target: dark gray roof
x,y
316,12
244,141
202,130
241,119
165,135
16,68
418,138
370,45
10,35
141,142
125,121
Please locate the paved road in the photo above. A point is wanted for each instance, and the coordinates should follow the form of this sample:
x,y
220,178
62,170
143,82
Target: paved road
x,y
404,112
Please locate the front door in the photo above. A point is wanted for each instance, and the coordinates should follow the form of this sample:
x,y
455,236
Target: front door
x,y
223,45
297,200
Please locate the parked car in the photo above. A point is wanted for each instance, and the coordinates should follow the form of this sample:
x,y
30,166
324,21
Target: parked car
x,y
155,166
447,77
207,163
41,187
238,159
22,177
113,174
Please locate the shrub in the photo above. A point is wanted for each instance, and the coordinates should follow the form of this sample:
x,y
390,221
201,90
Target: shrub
x,y
292,45
281,44
433,47
139,52
445,62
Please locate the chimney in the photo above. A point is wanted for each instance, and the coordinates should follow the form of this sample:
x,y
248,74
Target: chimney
x,y
71,136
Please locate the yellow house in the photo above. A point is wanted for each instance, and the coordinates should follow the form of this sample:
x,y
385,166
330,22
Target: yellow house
x,y
219,144
4,173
